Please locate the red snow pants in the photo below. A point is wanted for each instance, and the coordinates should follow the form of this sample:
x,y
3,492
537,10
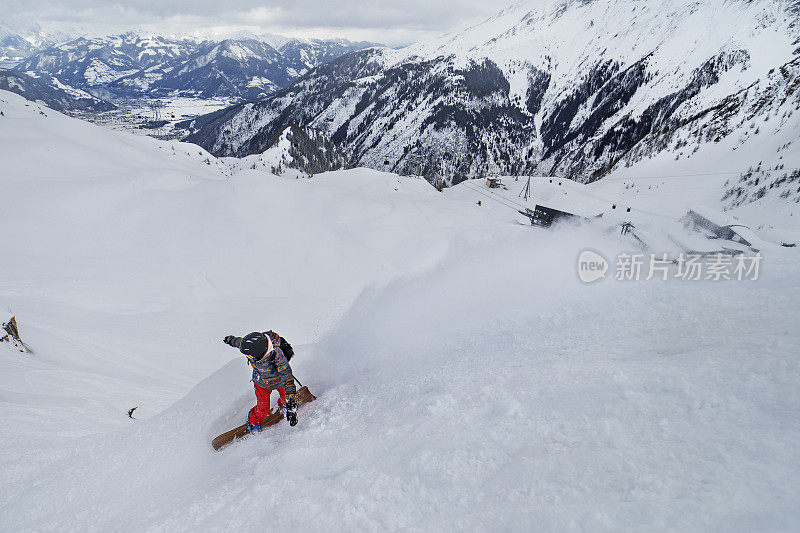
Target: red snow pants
x,y
261,410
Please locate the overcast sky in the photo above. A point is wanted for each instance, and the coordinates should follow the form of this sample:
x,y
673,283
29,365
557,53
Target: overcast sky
x,y
393,22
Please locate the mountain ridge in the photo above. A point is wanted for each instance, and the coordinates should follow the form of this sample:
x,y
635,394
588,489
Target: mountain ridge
x,y
48,91
524,92
136,65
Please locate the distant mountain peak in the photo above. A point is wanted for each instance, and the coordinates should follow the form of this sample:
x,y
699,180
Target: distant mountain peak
x,y
134,64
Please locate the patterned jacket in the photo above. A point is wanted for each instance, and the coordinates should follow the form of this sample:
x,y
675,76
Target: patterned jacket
x,y
273,371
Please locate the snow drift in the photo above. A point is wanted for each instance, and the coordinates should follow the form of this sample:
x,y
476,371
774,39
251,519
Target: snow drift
x,y
489,390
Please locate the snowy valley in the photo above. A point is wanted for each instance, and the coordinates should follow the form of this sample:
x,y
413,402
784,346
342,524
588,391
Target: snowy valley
x,y
468,375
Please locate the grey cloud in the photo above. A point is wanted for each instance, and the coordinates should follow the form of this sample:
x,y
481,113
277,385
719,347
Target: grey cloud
x,y
348,18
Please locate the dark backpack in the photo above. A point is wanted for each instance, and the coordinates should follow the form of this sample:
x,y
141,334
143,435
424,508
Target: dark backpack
x,y
287,349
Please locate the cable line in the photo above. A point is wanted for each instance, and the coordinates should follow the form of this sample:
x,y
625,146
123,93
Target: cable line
x,y
492,197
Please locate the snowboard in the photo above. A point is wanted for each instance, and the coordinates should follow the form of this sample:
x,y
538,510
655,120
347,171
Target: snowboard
x,y
241,431
302,396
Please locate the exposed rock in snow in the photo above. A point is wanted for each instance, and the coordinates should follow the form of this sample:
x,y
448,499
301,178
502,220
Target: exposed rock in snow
x,y
301,152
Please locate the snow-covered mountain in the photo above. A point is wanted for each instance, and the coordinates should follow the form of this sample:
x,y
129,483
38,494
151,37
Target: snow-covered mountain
x,y
246,69
574,88
13,47
17,44
97,63
306,54
136,65
217,35
52,33
50,92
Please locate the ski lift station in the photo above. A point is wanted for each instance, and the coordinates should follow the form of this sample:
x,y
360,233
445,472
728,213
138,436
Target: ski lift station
x,y
550,201
560,200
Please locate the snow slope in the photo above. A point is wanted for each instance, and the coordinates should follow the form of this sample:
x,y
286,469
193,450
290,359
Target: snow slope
x,y
466,378
108,232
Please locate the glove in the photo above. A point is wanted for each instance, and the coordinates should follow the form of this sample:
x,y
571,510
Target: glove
x,y
230,340
291,412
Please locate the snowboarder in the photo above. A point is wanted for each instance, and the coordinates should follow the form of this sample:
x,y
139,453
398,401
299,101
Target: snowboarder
x,y
271,371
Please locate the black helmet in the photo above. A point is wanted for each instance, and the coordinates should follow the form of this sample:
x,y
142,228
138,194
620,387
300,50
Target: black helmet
x,y
255,345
